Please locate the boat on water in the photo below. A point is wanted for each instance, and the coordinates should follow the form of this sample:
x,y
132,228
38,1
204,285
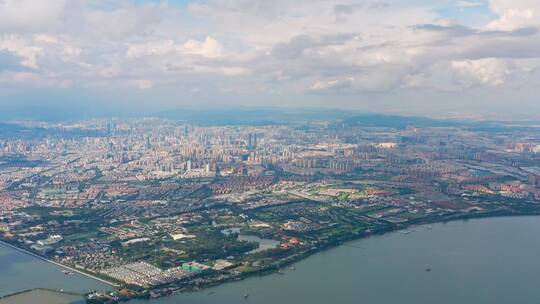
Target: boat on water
x,y
246,295
428,227
66,272
404,231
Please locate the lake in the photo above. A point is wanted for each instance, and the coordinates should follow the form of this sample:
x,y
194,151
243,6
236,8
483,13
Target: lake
x,y
264,244
479,261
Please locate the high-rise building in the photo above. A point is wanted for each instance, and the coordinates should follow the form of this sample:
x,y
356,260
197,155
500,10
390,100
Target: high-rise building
x,y
252,141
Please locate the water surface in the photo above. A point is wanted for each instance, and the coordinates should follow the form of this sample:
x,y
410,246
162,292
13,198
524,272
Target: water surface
x,y
43,297
20,271
264,244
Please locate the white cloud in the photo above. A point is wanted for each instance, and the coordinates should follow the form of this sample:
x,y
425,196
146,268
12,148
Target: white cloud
x,y
210,48
469,3
262,47
488,71
514,14
153,48
122,22
71,51
28,54
336,84
29,15
45,39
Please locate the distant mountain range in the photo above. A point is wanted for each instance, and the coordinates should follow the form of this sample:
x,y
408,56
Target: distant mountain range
x,y
254,116
257,116
13,130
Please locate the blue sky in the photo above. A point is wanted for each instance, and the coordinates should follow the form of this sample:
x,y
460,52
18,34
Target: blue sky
x,y
467,58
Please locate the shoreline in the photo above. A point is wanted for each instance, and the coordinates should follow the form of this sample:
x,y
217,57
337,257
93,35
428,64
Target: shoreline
x,y
58,264
271,269
296,257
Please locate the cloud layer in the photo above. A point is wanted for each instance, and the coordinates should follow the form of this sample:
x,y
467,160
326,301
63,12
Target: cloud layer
x,y
316,49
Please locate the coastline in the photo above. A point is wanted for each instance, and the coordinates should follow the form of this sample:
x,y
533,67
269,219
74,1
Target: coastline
x,y
269,269
343,241
58,264
392,268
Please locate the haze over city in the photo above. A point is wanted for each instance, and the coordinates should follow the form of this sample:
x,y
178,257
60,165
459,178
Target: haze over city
x,y
443,58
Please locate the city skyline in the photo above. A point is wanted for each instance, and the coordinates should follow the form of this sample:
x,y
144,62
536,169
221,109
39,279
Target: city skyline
x,y
158,207
473,59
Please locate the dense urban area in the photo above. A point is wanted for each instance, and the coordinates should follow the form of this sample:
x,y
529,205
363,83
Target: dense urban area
x,y
158,206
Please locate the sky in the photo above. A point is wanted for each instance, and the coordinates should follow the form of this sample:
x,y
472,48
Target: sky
x,y
442,58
